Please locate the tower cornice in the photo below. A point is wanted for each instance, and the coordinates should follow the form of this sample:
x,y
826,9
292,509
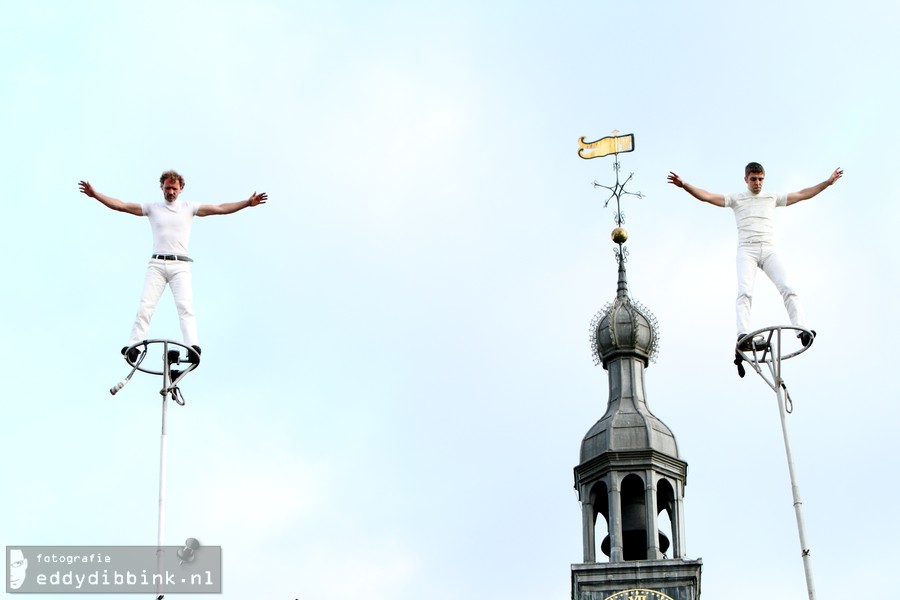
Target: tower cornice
x,y
630,461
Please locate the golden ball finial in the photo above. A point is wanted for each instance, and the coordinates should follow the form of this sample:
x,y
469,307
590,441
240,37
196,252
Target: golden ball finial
x,y
619,235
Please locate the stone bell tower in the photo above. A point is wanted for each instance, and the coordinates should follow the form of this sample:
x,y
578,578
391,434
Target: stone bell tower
x,y
630,475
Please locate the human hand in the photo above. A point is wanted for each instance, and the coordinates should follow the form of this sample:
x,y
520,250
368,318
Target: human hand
x,y
838,173
258,198
675,180
87,189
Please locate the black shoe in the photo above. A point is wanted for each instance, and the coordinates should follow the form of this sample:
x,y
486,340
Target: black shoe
x,y
757,343
194,354
738,361
130,355
805,337
173,357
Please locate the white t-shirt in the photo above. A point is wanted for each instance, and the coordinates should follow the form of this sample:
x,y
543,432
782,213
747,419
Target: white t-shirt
x,y
755,215
171,225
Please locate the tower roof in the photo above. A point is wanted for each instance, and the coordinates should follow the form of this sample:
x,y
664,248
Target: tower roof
x,y
624,327
624,338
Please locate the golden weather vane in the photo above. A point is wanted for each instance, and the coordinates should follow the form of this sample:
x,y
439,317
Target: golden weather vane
x,y
614,144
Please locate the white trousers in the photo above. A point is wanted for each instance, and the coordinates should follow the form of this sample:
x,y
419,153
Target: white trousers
x,y
765,257
177,274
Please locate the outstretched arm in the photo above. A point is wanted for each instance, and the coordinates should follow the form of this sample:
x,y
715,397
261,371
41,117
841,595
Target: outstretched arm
x,y
702,195
87,189
206,210
809,192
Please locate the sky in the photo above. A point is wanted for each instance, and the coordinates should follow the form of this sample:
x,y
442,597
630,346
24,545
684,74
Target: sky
x,y
396,373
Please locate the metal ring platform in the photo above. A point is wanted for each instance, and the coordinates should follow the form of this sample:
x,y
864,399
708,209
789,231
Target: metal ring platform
x,y
165,351
774,348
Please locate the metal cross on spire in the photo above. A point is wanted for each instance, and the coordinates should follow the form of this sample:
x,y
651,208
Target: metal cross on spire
x,y
613,144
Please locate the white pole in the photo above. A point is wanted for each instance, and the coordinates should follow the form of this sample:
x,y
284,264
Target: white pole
x,y
795,488
162,478
161,531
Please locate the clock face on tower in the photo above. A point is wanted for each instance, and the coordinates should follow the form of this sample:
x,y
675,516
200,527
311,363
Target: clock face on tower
x,y
639,594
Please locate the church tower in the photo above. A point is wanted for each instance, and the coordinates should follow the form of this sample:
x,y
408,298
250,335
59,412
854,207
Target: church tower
x,y
630,474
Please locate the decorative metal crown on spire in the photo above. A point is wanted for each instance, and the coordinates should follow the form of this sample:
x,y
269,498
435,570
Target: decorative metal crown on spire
x,y
623,326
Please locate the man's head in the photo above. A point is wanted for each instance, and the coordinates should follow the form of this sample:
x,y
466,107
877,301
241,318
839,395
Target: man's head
x,y
171,183
18,564
753,177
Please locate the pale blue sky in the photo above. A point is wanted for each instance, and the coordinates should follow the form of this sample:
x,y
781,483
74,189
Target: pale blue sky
x,y
396,374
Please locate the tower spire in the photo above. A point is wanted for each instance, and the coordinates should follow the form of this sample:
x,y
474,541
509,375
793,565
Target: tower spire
x,y
630,472
622,291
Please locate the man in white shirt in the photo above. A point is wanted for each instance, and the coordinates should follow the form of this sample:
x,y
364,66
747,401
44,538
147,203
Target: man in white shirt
x,y
170,222
754,212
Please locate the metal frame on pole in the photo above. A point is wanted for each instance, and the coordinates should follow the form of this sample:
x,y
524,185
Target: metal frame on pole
x,y
170,387
765,347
